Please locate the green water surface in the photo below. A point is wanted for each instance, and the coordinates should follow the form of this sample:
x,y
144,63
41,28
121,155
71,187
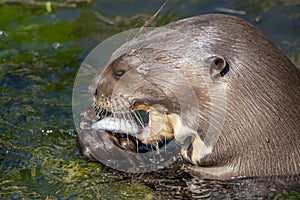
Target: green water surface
x,y
42,45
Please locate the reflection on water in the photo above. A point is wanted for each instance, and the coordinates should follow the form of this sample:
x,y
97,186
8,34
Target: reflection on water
x,y
175,182
41,50
263,188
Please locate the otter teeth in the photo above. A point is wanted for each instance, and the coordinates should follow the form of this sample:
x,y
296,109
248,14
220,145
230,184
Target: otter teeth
x,y
117,125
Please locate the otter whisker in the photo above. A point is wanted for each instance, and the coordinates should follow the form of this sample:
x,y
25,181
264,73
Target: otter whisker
x,y
127,116
98,112
153,150
113,113
165,145
96,108
137,116
98,116
101,113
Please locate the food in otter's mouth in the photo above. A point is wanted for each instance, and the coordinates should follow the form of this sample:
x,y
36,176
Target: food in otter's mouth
x,y
141,130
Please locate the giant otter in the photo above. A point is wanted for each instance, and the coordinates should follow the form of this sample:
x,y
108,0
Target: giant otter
x,y
212,83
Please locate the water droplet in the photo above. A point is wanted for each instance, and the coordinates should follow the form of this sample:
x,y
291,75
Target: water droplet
x,y
267,140
258,19
56,45
87,150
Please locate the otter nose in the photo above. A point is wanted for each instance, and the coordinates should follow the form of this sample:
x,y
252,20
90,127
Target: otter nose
x,y
93,86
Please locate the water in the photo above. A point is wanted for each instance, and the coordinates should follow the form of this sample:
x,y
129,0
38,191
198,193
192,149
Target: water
x,y
41,49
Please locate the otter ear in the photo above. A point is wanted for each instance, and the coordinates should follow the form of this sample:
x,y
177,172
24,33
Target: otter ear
x,y
218,67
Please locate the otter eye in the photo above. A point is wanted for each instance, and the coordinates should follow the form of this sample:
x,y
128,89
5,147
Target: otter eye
x,y
118,74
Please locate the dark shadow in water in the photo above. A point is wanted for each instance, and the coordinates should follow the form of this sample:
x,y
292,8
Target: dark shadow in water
x,y
175,183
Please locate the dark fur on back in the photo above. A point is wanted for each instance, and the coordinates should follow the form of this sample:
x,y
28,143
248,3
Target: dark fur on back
x,y
261,131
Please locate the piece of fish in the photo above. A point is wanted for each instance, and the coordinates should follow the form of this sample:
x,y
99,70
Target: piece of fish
x,y
117,125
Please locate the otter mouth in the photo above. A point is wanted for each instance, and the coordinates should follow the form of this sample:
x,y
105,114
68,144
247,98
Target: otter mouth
x,y
130,131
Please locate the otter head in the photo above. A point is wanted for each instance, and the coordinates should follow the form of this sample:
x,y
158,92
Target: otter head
x,y
131,102
148,97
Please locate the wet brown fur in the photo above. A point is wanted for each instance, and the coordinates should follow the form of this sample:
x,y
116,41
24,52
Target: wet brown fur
x,y
260,136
